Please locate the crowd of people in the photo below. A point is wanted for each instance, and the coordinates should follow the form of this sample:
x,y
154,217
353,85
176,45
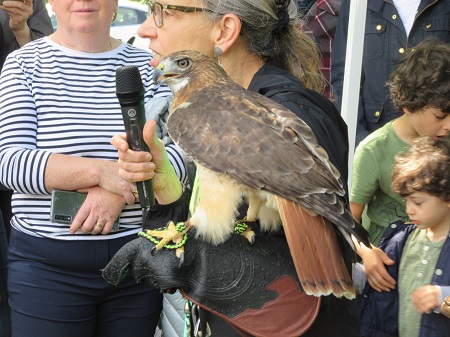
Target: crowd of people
x,y
66,133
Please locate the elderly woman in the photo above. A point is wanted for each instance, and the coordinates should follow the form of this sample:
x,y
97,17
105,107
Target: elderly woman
x,y
58,112
258,45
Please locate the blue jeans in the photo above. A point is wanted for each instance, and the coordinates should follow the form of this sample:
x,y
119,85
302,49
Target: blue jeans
x,y
57,290
5,322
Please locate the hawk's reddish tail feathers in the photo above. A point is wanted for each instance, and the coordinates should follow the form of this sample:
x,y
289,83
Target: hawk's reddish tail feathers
x,y
315,252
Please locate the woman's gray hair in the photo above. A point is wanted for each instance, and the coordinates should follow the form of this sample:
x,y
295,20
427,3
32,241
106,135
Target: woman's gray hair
x,y
271,30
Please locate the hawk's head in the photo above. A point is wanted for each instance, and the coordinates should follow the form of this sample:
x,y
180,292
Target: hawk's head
x,y
187,66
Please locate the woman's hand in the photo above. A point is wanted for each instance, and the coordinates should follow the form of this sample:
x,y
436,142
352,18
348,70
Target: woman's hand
x,y
111,181
98,213
19,12
425,298
445,307
374,262
73,173
137,166
134,166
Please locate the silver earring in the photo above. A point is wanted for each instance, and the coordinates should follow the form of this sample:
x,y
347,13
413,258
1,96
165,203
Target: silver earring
x,y
218,52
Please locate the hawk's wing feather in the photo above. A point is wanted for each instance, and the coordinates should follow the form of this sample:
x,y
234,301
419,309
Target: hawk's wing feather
x,y
315,251
299,127
264,146
238,132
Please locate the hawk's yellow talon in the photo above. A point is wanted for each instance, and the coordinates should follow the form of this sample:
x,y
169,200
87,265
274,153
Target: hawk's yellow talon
x,y
250,236
166,235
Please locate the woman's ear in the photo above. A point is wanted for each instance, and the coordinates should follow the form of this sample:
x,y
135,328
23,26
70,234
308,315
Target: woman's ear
x,y
227,30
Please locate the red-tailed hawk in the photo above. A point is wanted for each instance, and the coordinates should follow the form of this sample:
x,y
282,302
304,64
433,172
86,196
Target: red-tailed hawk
x,y
247,146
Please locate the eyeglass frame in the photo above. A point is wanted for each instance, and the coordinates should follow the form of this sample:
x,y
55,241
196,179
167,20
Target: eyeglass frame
x,y
184,9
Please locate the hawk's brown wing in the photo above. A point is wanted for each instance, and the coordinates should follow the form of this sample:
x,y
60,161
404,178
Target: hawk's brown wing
x,y
261,144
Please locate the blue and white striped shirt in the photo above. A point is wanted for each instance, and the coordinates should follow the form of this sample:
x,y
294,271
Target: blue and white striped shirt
x,y
57,100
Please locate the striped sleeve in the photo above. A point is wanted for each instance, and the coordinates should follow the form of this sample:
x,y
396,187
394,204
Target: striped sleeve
x,y
22,165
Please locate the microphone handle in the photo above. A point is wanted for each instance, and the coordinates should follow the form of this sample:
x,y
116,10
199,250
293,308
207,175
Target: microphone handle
x,y
134,117
145,188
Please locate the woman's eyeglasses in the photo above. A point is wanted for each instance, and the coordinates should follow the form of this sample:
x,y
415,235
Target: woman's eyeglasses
x,y
157,9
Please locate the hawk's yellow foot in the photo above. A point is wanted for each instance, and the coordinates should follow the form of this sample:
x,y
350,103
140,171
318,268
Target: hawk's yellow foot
x,y
175,233
168,234
243,227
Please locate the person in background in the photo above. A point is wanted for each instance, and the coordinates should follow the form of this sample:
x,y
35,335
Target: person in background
x,y
420,86
260,48
58,112
20,23
420,248
319,19
393,28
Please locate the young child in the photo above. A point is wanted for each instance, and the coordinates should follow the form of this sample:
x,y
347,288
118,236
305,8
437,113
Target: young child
x,y
420,86
419,248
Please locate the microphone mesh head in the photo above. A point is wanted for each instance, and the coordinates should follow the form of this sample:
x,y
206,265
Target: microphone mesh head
x,y
128,79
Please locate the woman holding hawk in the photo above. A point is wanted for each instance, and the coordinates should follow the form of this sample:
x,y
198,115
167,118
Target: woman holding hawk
x,y
260,48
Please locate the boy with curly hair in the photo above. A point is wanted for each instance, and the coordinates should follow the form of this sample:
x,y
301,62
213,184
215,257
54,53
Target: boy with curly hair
x,y
420,248
420,86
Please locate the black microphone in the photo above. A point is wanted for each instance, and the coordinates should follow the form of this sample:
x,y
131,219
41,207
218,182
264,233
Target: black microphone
x,y
130,92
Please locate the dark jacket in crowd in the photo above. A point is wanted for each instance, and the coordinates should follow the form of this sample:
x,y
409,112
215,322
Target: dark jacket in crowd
x,y
384,45
379,310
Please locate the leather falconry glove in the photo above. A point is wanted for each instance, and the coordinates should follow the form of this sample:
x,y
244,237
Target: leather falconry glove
x,y
246,285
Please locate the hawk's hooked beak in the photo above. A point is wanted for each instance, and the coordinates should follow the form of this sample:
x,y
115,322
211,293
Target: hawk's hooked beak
x,y
158,74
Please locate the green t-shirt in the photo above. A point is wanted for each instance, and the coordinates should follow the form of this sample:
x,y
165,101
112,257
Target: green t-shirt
x,y
371,181
417,266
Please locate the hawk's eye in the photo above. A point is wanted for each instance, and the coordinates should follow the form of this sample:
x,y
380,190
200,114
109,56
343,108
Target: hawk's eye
x,y
183,63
